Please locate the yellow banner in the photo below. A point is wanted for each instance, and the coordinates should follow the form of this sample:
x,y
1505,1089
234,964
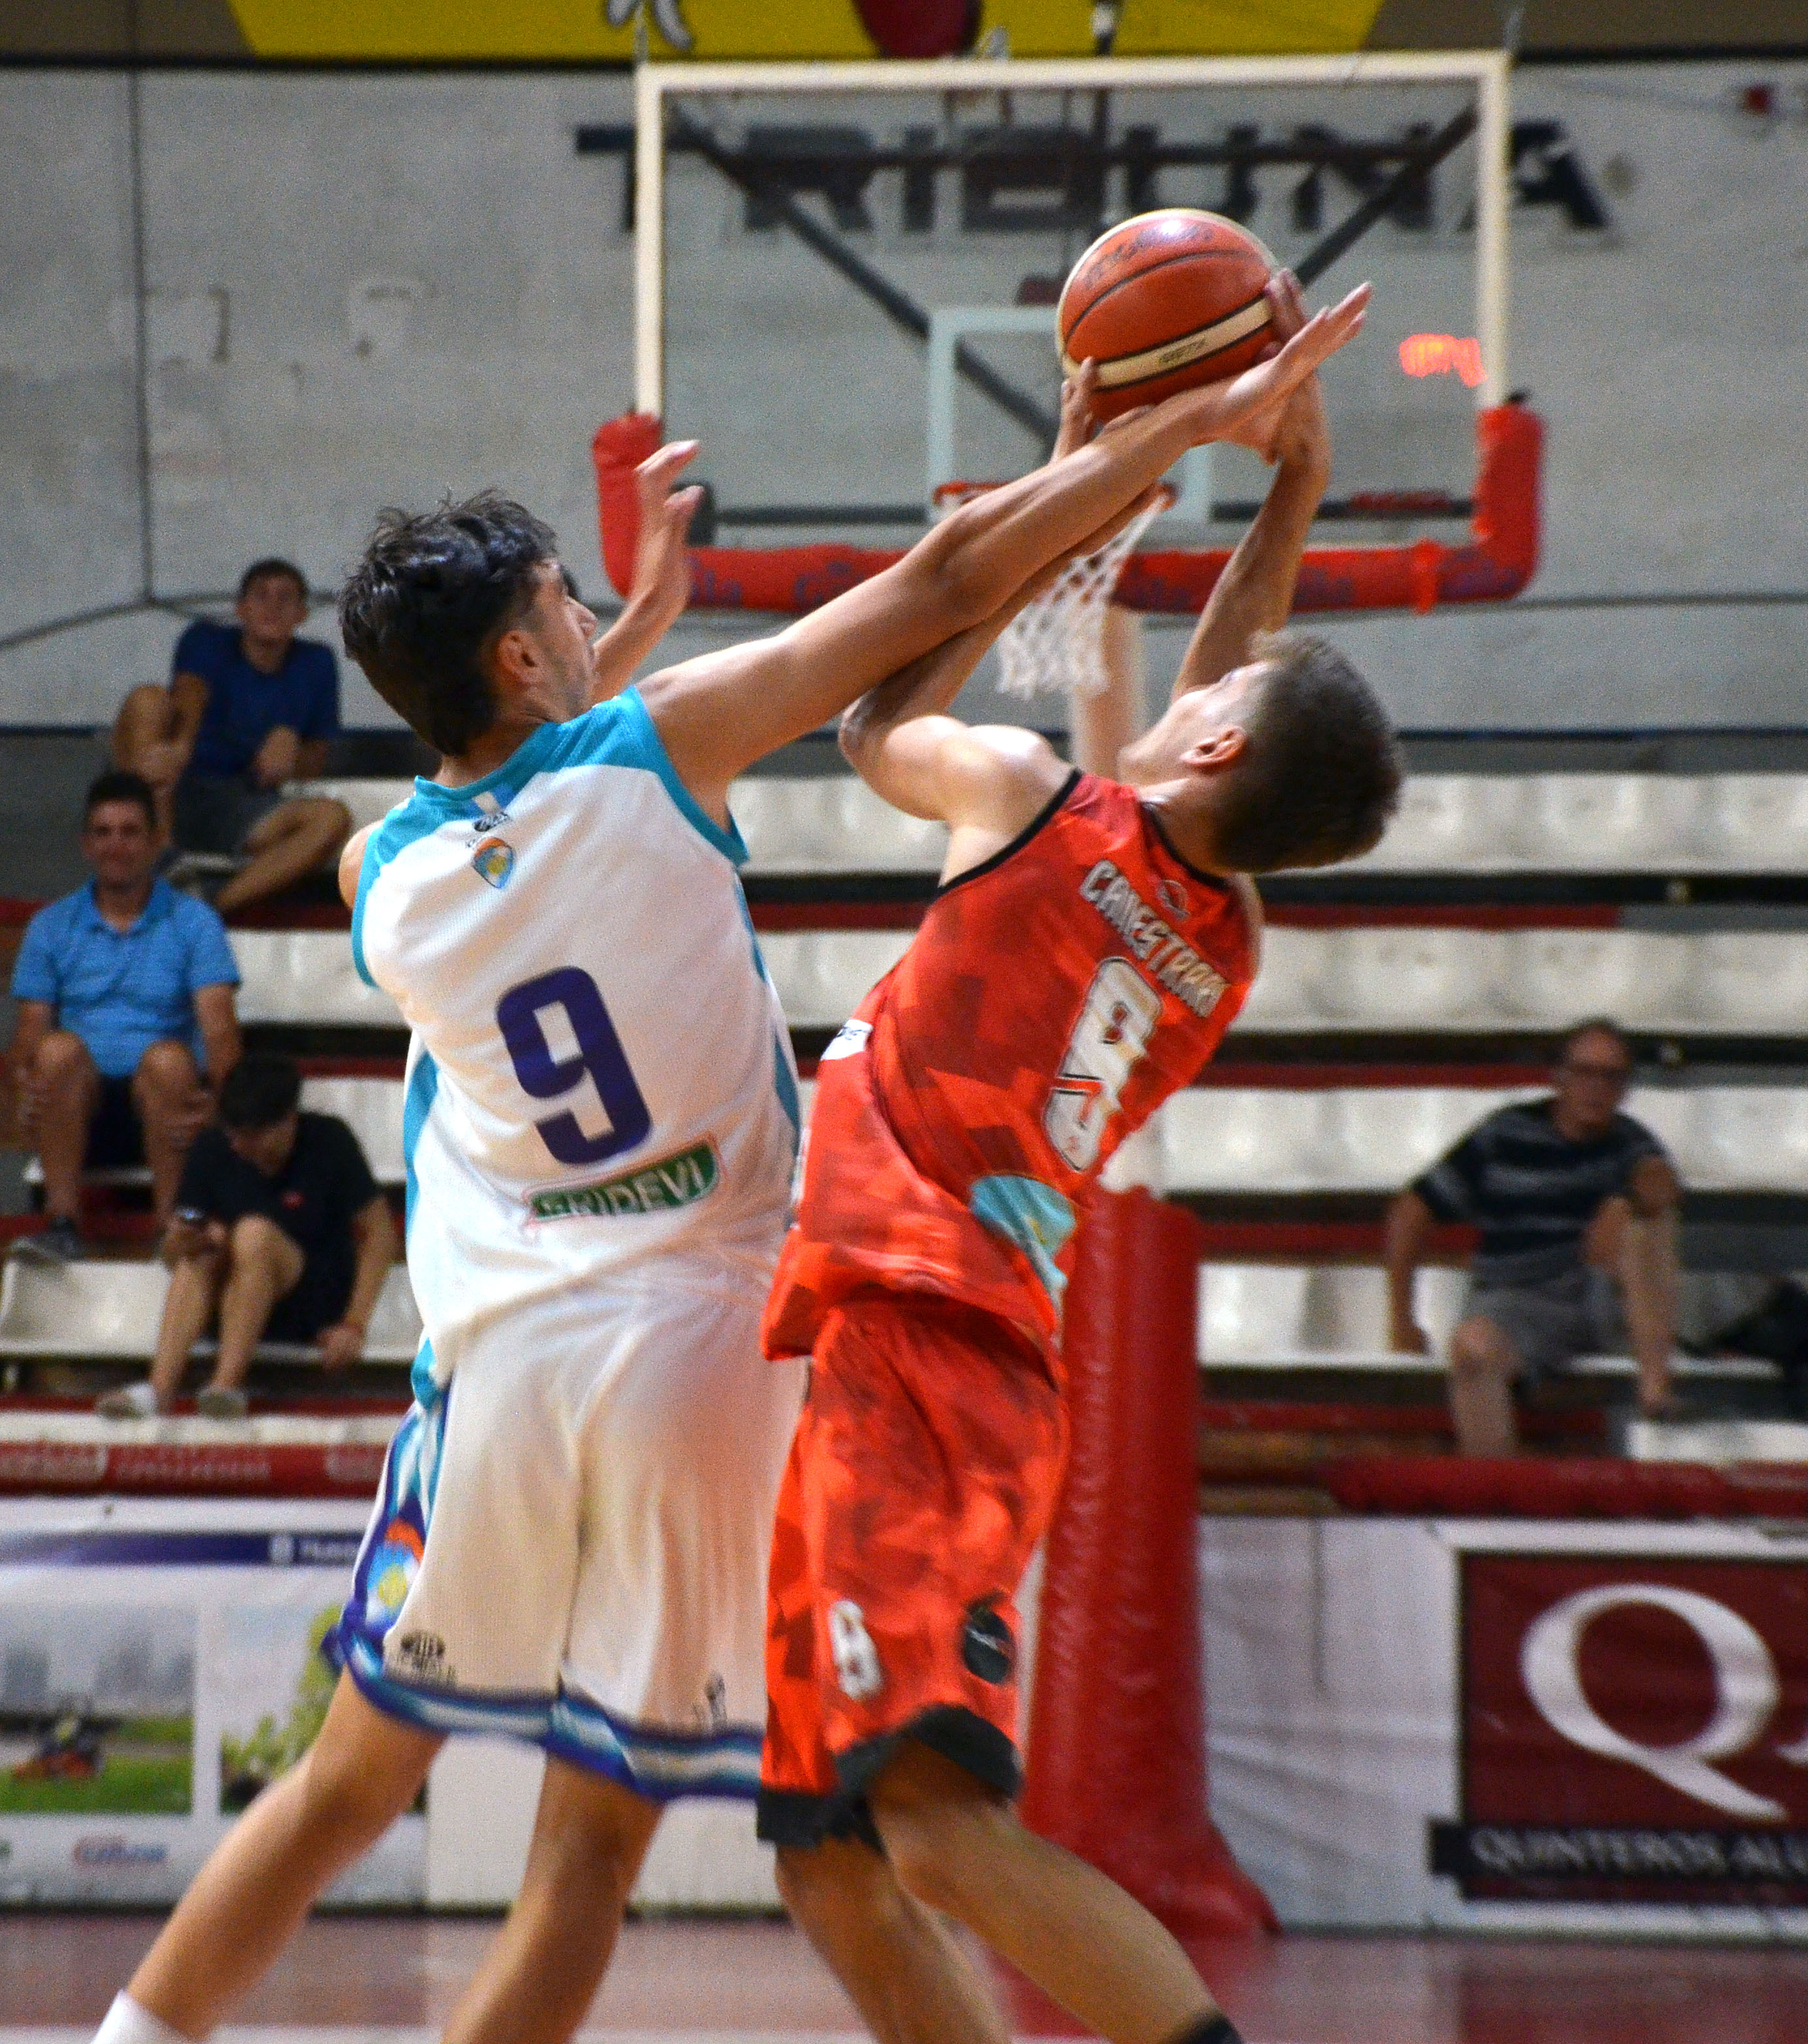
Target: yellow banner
x,y
555,31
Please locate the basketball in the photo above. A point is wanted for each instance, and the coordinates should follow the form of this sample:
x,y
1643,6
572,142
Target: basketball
x,y
1164,302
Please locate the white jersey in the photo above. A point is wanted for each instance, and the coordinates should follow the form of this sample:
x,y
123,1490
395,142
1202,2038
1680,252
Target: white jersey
x,y
600,1072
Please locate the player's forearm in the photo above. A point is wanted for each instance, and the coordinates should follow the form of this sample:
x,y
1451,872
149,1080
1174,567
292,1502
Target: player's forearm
x,y
376,1252
1255,592
221,1046
996,543
629,641
1407,1238
927,687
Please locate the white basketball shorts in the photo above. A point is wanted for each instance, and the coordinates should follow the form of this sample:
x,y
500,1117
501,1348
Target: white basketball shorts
x,y
570,1545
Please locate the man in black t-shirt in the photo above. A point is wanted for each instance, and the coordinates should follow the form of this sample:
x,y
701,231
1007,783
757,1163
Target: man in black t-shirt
x,y
1575,1204
280,1231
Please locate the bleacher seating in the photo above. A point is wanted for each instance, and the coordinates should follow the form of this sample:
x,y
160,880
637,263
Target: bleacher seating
x,y
817,838
1448,823
1276,1317
1423,978
1373,1139
96,1310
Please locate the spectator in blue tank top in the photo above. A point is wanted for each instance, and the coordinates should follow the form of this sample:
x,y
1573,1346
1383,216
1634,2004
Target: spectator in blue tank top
x,y
125,1002
249,707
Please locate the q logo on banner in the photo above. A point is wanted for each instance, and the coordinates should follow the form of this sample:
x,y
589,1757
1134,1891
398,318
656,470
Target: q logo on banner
x,y
1745,1687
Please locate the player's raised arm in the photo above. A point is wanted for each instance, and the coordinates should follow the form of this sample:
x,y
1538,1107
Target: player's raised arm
x,y
718,713
1255,592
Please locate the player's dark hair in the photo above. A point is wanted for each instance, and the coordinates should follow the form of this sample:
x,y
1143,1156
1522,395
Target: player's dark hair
x,y
260,1089
1321,773
433,592
117,785
1596,1025
272,564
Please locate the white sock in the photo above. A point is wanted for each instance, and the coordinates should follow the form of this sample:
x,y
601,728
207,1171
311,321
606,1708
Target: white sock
x,y
126,2023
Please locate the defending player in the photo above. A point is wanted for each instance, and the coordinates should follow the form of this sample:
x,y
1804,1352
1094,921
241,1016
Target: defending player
x,y
1090,944
600,1117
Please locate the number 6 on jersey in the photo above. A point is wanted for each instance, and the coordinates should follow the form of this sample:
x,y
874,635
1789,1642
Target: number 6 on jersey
x,y
1115,1023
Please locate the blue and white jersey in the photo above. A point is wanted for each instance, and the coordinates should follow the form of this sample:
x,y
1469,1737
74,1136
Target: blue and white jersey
x,y
600,1072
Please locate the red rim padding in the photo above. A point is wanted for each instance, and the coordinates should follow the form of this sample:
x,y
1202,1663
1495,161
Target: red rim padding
x,y
1522,1487
1498,559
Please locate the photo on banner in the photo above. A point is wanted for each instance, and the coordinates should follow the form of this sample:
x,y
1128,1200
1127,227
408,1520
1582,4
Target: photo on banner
x,y
97,1718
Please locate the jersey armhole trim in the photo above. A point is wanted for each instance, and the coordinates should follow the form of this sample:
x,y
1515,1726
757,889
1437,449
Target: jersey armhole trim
x,y
729,842
1043,816
368,866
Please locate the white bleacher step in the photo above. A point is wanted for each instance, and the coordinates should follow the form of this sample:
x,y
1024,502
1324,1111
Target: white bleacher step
x,y
1718,1441
1223,1140
100,1310
1334,1316
1359,1139
1448,823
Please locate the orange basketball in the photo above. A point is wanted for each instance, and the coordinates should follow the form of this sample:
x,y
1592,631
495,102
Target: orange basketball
x,y
1164,302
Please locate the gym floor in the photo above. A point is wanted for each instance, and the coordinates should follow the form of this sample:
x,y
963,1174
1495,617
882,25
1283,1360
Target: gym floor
x,y
393,1980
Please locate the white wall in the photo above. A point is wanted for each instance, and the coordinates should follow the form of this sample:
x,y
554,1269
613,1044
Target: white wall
x,y
375,288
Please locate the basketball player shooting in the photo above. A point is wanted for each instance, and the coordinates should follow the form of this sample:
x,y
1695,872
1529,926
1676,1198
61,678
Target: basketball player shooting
x,y
569,1543
1090,943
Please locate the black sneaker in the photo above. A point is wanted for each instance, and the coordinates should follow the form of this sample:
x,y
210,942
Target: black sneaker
x,y
59,1243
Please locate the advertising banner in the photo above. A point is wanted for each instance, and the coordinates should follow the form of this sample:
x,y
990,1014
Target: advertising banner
x,y
1595,1728
159,1669
1633,1727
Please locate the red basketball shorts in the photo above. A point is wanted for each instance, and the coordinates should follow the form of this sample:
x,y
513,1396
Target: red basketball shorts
x,y
923,1472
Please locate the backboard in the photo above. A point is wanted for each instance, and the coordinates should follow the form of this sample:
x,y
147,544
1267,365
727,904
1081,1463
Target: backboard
x,y
846,273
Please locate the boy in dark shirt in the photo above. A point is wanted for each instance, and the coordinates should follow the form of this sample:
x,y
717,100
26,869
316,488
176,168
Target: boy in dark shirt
x,y
248,707
279,1229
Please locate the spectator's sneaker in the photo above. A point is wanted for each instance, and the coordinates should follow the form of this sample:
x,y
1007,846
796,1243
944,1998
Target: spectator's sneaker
x,y
59,1243
220,1401
129,1401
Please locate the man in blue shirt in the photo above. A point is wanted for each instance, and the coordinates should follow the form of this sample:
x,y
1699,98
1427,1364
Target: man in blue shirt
x,y
249,706
125,1000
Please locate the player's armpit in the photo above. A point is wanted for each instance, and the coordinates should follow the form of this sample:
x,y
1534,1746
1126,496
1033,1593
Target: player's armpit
x,y
351,864
989,779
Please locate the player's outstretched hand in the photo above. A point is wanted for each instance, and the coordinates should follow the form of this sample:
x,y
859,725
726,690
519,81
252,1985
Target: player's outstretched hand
x,y
1218,410
1077,422
661,587
1303,408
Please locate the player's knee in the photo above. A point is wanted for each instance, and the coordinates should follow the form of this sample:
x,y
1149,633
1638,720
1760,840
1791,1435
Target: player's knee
x,y
143,710
825,1885
326,822
256,1237
935,1848
1478,1350
62,1057
167,1071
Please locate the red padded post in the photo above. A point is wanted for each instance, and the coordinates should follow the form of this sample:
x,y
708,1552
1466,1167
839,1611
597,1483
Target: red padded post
x,y
1117,1765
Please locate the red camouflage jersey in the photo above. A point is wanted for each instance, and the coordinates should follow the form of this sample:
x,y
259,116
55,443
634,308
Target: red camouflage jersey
x,y
1054,997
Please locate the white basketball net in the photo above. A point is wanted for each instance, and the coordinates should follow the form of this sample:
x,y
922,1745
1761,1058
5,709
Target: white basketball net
x,y
1056,643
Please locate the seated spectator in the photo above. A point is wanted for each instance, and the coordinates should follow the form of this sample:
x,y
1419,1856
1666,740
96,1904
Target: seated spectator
x,y
125,1017
1576,1203
248,708
281,1234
